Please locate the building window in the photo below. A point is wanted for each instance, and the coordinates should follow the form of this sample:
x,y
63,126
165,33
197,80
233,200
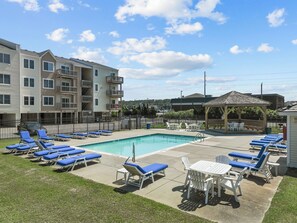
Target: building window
x,y
4,99
4,79
28,100
112,74
96,73
28,82
65,69
48,66
96,87
96,101
48,101
28,63
4,58
48,83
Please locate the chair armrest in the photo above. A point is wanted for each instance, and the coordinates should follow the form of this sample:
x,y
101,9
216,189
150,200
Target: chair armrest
x,y
148,173
209,179
233,173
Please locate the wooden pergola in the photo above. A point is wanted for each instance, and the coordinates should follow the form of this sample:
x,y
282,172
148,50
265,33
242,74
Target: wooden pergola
x,y
238,101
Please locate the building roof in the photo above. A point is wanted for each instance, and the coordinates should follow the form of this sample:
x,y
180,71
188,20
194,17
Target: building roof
x,y
9,44
195,95
235,98
90,63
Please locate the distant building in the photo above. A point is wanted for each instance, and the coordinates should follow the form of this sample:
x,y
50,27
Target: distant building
x,y
193,101
276,100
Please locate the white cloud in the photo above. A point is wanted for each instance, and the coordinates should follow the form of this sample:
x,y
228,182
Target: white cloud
x,y
133,45
236,50
58,35
87,36
56,5
184,28
114,34
294,41
275,18
28,5
206,9
86,5
94,55
170,10
165,64
265,48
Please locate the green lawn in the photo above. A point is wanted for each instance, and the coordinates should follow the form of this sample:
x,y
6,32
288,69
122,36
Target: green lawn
x,y
284,204
33,193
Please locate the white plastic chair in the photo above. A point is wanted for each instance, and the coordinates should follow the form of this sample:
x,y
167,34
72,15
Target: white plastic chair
x,y
187,164
232,182
241,126
199,181
222,159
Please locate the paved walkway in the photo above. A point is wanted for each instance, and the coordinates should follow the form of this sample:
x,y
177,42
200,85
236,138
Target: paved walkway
x,y
169,190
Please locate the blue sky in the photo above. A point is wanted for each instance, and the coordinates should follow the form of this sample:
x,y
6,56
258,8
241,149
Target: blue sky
x,y
162,47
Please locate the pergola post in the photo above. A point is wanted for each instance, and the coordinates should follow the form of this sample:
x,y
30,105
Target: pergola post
x,y
263,110
226,118
206,117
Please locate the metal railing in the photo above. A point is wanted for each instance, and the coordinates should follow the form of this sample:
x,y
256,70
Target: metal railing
x,y
67,73
115,93
114,79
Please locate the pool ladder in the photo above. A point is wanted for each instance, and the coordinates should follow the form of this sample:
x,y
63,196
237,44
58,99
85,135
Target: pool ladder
x,y
199,136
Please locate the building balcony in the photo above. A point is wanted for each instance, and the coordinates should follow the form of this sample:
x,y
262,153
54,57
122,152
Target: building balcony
x,y
113,106
86,98
86,84
115,93
67,105
114,79
67,89
66,73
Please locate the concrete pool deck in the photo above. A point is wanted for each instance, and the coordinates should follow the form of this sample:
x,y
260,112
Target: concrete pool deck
x,y
254,202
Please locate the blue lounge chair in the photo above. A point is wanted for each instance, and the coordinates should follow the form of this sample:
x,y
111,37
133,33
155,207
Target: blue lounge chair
x,y
21,147
79,135
43,136
275,146
94,134
236,155
63,137
143,173
53,157
45,146
25,137
71,162
105,132
261,166
42,153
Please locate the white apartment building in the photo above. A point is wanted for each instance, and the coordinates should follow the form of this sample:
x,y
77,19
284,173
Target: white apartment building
x,y
50,89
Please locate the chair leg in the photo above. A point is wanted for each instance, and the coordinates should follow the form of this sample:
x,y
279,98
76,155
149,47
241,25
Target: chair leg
x,y
206,196
235,196
141,183
239,188
187,179
188,192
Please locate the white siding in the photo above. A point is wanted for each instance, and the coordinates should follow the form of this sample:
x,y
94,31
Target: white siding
x,y
30,91
14,88
292,141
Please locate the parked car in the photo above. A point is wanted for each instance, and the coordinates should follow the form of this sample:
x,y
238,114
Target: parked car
x,y
30,126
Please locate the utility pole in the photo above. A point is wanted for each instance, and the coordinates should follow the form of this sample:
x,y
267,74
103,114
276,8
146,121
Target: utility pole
x,y
205,84
262,90
181,100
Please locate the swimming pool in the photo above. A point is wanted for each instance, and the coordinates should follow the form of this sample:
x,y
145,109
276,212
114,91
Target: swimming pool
x,y
143,144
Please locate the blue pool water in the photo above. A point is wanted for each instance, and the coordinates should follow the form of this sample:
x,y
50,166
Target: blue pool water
x,y
143,144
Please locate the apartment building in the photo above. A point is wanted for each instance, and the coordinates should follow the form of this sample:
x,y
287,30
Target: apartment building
x,y
40,86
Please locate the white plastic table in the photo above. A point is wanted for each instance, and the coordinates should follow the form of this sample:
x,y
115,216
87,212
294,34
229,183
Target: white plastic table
x,y
218,170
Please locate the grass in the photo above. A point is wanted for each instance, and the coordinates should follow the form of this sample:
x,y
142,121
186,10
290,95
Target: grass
x,y
284,204
33,193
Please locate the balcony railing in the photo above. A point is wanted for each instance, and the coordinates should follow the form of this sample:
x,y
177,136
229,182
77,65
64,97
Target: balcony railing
x,y
114,80
115,93
67,89
86,98
86,83
67,105
67,73
113,106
